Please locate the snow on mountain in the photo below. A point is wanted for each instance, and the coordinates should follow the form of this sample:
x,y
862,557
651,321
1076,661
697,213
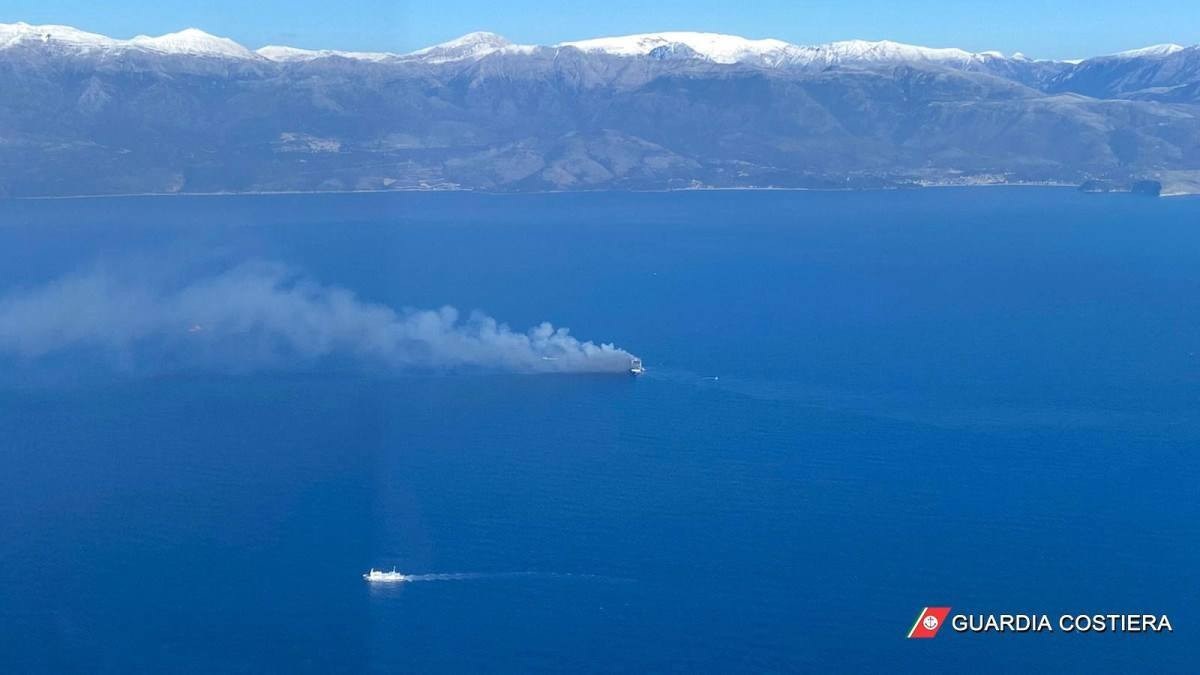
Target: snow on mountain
x,y
190,112
190,42
284,54
194,42
720,48
769,52
470,46
1152,50
863,51
16,34
712,46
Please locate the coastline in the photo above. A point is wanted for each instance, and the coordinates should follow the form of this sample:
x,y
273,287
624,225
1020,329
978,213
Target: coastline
x,y
266,193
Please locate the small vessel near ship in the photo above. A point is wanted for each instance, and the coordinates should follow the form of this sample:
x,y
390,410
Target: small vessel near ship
x,y
635,366
380,576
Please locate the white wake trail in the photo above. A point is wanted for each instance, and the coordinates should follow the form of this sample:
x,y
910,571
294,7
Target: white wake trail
x,y
452,576
470,576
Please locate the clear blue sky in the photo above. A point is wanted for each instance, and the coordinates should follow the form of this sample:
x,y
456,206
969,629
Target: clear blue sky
x,y
1040,28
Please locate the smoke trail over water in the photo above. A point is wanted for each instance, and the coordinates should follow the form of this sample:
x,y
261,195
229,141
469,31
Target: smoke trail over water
x,y
265,315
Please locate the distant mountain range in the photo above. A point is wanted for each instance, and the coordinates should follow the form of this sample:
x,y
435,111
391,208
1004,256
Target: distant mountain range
x,y
190,112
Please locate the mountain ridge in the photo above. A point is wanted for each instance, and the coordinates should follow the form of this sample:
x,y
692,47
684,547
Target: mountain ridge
x,y
722,47
192,112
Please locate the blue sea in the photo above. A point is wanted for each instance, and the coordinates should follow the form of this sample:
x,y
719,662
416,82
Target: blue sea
x,y
856,405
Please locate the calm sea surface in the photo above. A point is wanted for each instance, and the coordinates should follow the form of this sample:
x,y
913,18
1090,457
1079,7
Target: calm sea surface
x,y
857,405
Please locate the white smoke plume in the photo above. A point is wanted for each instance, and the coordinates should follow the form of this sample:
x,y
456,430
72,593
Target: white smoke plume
x,y
265,315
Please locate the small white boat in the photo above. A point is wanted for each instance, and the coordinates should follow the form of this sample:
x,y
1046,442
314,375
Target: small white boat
x,y
635,366
380,576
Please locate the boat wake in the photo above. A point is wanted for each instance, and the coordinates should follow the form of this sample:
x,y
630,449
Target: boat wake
x,y
396,577
452,576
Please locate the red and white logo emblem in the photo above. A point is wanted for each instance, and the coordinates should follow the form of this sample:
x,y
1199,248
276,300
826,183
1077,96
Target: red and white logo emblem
x,y
929,622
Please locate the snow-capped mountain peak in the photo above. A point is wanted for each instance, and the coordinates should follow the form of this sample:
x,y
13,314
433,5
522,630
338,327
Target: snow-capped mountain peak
x,y
715,47
1153,50
727,49
477,39
765,52
190,41
470,46
13,34
194,42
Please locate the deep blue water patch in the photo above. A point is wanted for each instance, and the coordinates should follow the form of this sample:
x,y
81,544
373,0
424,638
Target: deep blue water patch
x,y
857,405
